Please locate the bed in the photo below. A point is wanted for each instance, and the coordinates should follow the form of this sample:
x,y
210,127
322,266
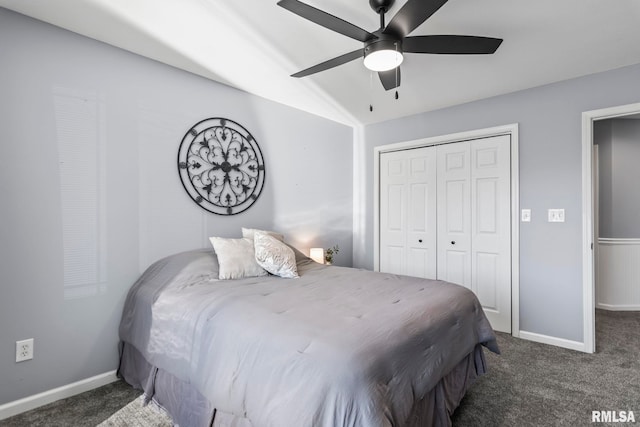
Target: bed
x,y
334,347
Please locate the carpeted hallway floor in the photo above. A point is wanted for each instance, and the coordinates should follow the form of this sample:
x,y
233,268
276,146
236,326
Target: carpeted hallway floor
x,y
530,384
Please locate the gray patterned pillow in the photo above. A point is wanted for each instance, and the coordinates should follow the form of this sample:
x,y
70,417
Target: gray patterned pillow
x,y
275,256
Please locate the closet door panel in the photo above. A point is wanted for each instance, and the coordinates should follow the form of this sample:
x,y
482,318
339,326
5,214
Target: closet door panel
x,y
407,212
421,229
393,212
454,213
491,228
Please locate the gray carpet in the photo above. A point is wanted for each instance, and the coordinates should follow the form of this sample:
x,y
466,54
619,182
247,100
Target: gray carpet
x,y
534,384
135,414
86,409
530,384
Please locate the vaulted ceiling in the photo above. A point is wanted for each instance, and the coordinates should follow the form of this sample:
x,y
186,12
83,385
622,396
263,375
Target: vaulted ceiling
x,y
254,45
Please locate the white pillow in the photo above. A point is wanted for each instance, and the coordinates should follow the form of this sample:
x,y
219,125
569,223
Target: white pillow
x,y
249,233
236,258
274,256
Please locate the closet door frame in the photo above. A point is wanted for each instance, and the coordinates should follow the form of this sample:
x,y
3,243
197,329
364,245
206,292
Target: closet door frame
x,y
512,131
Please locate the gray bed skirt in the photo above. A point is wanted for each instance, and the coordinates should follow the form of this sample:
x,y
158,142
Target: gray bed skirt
x,y
189,408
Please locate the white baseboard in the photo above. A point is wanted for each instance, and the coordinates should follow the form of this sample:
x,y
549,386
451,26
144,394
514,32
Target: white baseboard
x,y
558,342
31,402
617,307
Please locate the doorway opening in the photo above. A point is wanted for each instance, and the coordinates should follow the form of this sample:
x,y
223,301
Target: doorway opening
x,y
594,125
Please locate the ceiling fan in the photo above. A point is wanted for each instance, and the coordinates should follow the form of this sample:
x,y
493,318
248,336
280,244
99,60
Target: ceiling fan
x,y
384,48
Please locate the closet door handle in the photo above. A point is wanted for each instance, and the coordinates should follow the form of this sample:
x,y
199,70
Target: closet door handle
x,y
453,242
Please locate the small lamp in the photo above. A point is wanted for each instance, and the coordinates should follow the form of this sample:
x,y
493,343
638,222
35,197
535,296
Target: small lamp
x,y
317,254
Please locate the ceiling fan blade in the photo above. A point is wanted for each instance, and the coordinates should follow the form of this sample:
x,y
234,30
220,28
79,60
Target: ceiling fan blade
x,y
411,15
342,59
453,45
389,79
326,20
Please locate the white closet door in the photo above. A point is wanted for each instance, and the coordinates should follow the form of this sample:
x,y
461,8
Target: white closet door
x,y
421,211
408,213
445,213
454,213
491,228
393,215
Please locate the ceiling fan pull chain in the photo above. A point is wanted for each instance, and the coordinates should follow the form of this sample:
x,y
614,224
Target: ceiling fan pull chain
x,y
397,68
371,91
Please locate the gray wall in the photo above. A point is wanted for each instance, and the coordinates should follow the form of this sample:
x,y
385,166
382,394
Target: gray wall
x,y
57,86
550,177
619,153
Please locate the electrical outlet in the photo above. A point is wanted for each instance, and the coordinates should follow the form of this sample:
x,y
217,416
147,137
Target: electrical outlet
x,y
24,350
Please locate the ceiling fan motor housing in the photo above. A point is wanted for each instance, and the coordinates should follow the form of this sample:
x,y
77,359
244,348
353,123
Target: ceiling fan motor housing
x,y
383,43
381,6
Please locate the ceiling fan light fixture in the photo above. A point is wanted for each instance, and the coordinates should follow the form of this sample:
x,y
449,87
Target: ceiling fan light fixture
x,y
383,60
383,55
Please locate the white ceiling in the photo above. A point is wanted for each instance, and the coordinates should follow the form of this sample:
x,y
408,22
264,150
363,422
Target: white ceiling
x,y
254,45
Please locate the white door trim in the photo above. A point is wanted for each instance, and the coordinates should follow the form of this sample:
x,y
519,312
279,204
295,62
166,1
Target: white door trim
x,y
511,130
588,289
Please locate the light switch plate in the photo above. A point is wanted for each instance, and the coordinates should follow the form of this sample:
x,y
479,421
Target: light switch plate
x,y
556,215
526,215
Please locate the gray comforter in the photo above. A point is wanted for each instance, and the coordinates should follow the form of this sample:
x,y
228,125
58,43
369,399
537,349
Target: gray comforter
x,y
336,347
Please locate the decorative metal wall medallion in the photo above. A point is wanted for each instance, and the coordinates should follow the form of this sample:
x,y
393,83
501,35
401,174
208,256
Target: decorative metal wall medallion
x,y
221,166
